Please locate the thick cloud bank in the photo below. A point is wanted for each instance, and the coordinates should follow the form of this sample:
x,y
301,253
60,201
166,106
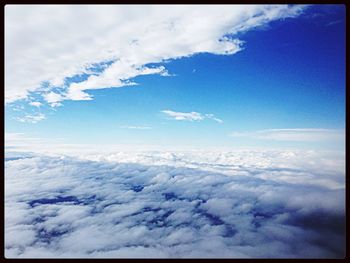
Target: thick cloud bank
x,y
239,204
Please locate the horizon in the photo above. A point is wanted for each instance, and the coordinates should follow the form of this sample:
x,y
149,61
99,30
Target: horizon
x,y
278,81
157,131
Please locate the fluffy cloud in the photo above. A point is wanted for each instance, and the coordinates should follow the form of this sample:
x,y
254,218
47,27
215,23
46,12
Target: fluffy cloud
x,y
35,103
165,204
110,45
117,75
294,134
53,98
190,116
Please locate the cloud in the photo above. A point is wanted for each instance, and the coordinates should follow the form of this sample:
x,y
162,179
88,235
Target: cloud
x,y
25,143
190,116
35,103
32,118
176,205
184,116
334,22
110,45
294,134
21,142
53,98
136,127
211,116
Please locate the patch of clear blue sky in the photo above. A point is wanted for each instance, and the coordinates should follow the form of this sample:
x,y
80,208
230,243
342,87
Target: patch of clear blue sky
x,y
291,74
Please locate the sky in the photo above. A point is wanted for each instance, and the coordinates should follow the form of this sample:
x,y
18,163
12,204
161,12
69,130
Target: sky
x,y
179,77
104,105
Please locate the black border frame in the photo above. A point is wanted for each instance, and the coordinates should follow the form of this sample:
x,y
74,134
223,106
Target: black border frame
x,y
75,2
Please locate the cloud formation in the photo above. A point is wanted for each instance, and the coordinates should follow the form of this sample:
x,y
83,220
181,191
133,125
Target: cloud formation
x,y
136,127
175,205
107,46
294,134
35,103
190,116
34,118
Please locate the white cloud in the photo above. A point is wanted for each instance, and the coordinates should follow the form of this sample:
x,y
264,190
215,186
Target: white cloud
x,y
32,118
184,116
294,134
53,98
26,143
23,142
52,42
211,116
171,205
136,127
35,103
190,116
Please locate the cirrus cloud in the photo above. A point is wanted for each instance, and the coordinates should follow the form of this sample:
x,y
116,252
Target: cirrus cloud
x,y
190,116
132,127
32,118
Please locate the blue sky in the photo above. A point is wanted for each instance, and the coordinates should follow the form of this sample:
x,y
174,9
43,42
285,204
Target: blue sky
x,y
288,77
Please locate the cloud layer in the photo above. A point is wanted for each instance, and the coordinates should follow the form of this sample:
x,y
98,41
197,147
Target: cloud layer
x,y
106,46
165,204
294,134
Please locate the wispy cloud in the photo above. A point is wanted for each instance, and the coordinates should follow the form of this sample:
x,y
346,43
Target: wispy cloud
x,y
32,118
293,134
334,22
44,145
131,37
136,127
184,116
212,117
23,140
190,116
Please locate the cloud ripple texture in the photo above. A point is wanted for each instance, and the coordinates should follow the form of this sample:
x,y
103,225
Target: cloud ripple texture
x,y
249,204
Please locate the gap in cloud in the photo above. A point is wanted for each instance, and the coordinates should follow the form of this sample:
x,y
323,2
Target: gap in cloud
x,y
75,79
99,67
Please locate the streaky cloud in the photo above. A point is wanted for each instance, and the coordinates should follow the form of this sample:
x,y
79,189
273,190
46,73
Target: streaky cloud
x,y
190,116
305,134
